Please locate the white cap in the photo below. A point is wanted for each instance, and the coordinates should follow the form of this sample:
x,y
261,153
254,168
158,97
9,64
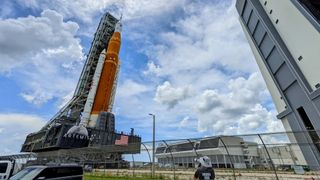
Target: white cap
x,y
204,161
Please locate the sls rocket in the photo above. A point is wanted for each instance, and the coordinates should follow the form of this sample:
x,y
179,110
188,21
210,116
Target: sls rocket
x,y
103,86
103,99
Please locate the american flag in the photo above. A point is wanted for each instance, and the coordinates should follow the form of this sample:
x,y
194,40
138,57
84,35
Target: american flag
x,y
122,140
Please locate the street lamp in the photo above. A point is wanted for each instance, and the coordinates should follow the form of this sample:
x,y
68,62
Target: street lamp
x,y
153,141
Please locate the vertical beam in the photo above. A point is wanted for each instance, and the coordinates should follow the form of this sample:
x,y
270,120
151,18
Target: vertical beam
x,y
271,162
193,148
153,144
133,165
231,161
149,156
172,159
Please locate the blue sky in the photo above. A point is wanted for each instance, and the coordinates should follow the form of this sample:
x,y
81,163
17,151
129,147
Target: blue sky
x,y
186,61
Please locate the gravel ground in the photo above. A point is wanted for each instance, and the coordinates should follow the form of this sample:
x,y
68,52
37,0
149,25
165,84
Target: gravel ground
x,y
188,174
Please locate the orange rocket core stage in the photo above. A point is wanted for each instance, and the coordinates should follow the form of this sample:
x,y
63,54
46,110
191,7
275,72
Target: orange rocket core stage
x,y
103,96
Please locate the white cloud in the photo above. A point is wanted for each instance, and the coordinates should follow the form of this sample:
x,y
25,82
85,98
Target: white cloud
x,y
238,111
203,66
86,10
209,100
198,62
30,122
199,42
152,69
206,50
185,122
15,127
130,88
41,52
170,96
25,38
64,100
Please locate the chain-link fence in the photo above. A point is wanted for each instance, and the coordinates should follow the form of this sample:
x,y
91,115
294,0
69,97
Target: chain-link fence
x,y
285,155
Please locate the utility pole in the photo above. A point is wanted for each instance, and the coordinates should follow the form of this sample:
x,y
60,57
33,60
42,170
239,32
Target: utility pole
x,y
153,143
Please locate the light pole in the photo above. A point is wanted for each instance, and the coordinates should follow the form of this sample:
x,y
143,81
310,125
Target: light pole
x,y
153,141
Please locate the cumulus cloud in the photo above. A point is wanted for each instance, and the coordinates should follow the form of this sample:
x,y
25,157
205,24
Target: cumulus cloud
x,y
43,53
187,123
237,111
24,38
199,62
170,96
14,129
211,57
199,42
85,10
209,100
131,88
184,122
153,69
65,99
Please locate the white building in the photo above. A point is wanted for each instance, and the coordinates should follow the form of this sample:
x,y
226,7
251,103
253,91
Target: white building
x,y
281,155
242,154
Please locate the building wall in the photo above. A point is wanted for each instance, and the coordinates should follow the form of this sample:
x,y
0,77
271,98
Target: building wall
x,y
275,94
283,155
298,155
217,160
233,144
300,36
274,57
220,158
252,149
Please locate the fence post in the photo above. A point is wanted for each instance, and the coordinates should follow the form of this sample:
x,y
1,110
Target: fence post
x,y
194,149
104,166
265,147
133,165
172,159
118,165
231,161
93,170
149,158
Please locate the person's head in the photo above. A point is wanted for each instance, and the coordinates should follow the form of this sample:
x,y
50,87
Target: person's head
x,y
204,161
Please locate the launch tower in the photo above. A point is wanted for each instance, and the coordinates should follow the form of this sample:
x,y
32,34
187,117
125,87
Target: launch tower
x,y
87,121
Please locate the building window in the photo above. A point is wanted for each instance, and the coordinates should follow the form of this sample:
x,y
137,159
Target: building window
x,y
313,7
